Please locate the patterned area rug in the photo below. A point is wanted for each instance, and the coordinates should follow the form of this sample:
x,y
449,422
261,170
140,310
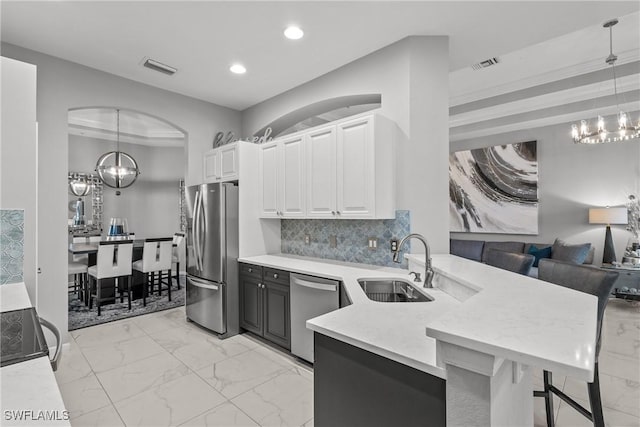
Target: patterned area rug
x,y
81,317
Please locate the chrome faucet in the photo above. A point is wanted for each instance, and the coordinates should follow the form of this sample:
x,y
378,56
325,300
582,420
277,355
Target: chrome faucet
x,y
428,271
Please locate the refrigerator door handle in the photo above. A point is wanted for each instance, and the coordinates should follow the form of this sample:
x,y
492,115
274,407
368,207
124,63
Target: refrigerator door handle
x,y
203,231
196,230
203,284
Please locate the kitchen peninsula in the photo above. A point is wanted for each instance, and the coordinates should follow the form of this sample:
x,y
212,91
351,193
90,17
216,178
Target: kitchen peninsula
x,y
482,332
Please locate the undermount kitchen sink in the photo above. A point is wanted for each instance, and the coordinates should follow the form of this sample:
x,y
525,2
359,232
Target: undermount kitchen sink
x,y
392,290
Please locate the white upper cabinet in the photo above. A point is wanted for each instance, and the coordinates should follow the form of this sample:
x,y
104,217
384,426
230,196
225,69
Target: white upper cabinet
x,y
212,165
321,172
269,174
345,169
229,162
221,164
282,171
291,177
355,168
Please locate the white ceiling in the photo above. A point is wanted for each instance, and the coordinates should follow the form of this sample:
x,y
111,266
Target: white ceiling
x,y
202,38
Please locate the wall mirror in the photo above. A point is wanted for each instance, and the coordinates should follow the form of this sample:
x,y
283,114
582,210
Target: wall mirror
x,y
85,204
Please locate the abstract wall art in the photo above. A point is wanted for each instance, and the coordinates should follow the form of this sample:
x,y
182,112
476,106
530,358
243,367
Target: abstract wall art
x,y
494,189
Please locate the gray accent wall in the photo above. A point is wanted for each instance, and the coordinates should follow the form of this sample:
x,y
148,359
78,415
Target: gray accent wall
x,y
412,75
64,85
572,178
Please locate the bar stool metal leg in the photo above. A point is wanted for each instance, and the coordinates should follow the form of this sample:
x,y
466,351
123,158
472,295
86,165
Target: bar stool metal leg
x,y
595,399
548,398
99,296
168,283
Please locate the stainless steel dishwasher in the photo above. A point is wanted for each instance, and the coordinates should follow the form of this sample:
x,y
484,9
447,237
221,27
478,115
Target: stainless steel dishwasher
x,y
310,297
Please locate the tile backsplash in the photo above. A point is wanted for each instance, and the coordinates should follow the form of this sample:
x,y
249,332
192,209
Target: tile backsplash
x,y
351,237
11,245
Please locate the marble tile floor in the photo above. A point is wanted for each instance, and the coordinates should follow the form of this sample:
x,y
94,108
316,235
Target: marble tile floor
x,y
158,369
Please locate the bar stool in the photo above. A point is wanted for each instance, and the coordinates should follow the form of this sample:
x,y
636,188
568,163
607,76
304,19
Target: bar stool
x,y
518,263
77,267
79,272
114,262
156,258
595,282
178,239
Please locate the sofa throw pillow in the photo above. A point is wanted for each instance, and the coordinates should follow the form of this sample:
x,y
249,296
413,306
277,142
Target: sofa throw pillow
x,y
539,253
570,253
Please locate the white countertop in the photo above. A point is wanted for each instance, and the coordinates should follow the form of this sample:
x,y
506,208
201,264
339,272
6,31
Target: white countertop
x,y
14,296
392,330
494,311
519,318
29,386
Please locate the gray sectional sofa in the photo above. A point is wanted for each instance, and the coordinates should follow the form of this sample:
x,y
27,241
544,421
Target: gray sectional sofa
x,y
477,250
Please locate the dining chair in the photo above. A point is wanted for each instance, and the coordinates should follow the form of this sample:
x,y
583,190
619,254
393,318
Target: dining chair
x,y
77,267
518,263
178,249
113,262
79,272
595,282
156,258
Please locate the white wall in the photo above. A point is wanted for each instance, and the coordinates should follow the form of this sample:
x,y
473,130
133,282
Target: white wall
x,y
64,85
412,76
18,155
572,178
152,204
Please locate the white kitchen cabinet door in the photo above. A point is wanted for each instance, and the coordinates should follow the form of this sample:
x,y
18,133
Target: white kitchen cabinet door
x,y
355,174
321,173
269,174
212,166
228,162
291,179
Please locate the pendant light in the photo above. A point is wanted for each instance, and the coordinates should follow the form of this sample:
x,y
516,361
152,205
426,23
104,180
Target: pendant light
x,y
117,169
79,185
626,130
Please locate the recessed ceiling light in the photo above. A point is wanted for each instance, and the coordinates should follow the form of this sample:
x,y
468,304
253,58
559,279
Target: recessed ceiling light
x,y
293,33
237,69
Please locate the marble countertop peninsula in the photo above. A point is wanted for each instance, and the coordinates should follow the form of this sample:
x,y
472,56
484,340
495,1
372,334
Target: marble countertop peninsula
x,y
392,330
475,306
30,393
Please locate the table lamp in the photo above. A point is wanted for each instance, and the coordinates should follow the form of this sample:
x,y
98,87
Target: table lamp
x,y
608,216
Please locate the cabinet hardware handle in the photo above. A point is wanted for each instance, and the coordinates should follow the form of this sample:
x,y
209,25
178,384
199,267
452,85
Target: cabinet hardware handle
x,y
338,212
275,275
333,212
250,270
259,285
262,286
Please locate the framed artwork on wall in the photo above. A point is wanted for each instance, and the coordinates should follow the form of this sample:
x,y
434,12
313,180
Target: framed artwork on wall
x,y
494,189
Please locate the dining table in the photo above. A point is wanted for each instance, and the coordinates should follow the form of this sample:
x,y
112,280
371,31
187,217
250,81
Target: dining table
x,y
91,249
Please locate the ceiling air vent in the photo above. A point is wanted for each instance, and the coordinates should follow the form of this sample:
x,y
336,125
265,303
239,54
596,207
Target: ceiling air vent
x,y
159,66
486,63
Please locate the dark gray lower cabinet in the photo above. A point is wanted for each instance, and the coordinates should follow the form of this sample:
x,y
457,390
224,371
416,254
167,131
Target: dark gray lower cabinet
x,y
354,387
277,320
251,303
264,303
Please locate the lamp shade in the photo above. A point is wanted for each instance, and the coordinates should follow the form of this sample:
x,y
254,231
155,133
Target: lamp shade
x,y
608,215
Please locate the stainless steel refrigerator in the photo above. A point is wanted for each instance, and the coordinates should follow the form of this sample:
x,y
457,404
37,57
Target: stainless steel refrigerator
x,y
212,257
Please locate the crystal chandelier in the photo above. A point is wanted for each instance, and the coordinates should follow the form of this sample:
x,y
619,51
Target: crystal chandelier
x,y
626,130
117,169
